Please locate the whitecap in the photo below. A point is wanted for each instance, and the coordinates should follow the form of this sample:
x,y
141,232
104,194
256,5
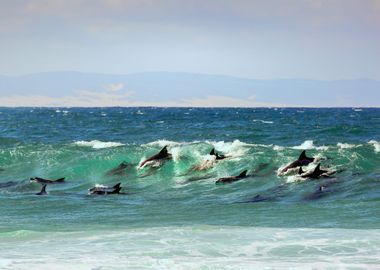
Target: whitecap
x,y
162,143
309,144
263,121
98,144
346,145
376,145
278,148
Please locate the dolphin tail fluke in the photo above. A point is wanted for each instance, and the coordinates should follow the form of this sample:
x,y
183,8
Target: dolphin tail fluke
x,y
243,174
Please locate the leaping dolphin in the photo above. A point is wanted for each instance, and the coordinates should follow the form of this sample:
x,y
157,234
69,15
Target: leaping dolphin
x,y
47,181
163,154
218,157
43,191
302,160
225,180
104,190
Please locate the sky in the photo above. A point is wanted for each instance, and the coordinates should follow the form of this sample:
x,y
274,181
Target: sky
x,y
268,39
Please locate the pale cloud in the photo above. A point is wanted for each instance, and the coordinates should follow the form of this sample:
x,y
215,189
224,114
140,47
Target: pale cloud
x,y
82,99
108,99
114,87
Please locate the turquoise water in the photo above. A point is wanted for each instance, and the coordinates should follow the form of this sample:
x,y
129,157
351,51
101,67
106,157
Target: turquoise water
x,y
174,217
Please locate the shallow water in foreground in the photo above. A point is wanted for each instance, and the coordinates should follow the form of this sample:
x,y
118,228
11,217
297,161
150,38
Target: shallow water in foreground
x,y
176,217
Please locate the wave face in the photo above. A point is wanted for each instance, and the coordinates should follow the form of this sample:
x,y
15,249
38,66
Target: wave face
x,y
82,145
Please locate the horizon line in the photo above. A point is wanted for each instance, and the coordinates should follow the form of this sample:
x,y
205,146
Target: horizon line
x,y
194,107
188,72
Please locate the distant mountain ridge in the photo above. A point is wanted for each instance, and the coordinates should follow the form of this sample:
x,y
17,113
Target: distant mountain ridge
x,y
163,87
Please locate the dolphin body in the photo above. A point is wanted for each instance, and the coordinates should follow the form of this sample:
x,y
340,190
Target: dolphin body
x,y
8,184
316,174
318,194
43,190
104,190
163,154
46,181
217,156
226,180
302,160
119,170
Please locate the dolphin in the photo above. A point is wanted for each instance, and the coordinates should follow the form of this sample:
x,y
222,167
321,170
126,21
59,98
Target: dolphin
x,y
43,190
8,184
163,154
46,181
231,179
104,190
319,193
316,174
218,157
119,170
302,160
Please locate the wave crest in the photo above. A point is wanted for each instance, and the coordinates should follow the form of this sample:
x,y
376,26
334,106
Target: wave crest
x,y
98,144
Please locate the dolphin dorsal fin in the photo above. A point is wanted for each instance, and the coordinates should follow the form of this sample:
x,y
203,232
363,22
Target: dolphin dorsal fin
x,y
303,155
318,168
116,186
243,174
300,171
212,153
43,189
164,150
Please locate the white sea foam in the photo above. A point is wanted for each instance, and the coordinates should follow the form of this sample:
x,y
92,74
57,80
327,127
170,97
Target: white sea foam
x,y
233,149
309,144
346,145
162,143
263,121
98,144
194,247
278,148
376,145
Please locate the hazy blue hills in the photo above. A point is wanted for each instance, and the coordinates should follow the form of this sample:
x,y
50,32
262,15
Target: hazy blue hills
x,y
187,88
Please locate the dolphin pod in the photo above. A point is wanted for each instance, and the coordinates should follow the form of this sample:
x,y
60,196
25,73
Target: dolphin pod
x,y
163,154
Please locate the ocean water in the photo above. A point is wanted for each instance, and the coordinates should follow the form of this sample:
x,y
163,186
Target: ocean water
x,y
172,215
